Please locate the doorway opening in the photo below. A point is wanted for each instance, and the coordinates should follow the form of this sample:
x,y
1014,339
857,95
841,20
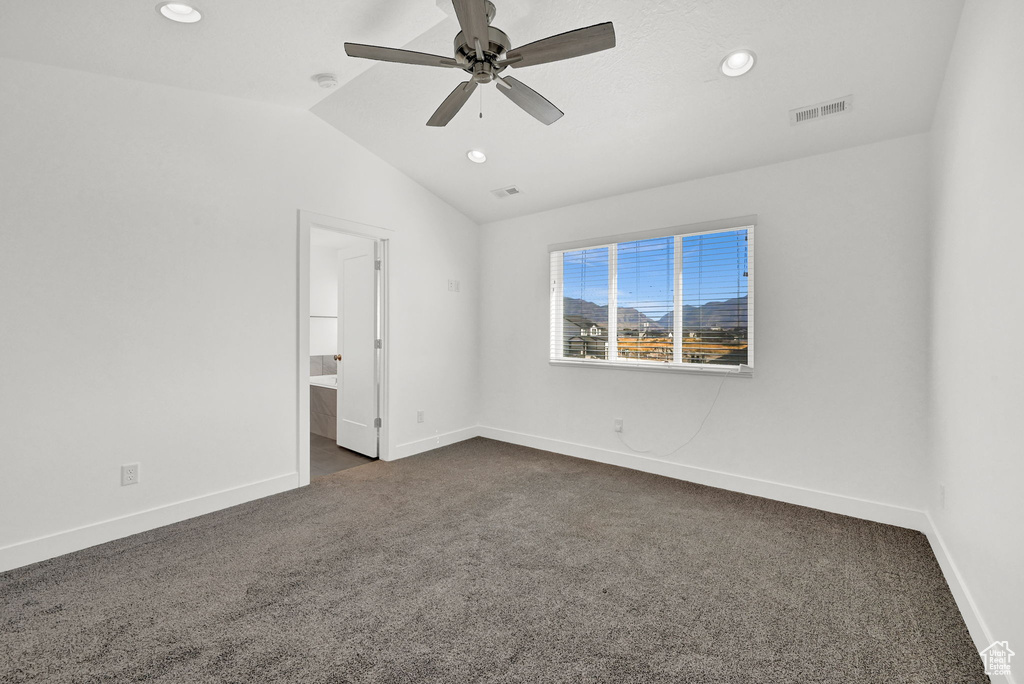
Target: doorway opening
x,y
342,345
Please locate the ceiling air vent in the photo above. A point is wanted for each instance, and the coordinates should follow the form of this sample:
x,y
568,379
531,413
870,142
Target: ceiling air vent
x,y
502,193
821,110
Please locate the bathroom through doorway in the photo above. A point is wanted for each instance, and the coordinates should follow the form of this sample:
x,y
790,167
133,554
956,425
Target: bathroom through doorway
x,y
343,319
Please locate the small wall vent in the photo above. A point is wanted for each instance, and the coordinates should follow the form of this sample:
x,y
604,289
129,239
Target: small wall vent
x,y
821,110
502,193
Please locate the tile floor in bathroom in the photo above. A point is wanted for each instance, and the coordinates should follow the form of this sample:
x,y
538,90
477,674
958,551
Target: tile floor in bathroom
x,y
326,457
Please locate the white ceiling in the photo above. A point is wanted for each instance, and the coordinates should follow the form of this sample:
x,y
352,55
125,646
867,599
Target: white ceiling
x,y
653,110
263,50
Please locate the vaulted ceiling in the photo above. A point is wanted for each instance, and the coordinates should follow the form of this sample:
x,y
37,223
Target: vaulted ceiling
x,y
654,110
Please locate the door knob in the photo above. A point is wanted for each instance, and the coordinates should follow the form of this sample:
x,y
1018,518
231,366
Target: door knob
x,y
337,357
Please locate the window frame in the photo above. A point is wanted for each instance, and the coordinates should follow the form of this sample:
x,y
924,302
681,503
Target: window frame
x,y
556,325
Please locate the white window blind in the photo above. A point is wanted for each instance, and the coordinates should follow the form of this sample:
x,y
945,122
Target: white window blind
x,y
676,302
715,298
644,274
583,305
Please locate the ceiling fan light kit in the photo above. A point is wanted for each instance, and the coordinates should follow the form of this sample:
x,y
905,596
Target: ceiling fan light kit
x,y
484,52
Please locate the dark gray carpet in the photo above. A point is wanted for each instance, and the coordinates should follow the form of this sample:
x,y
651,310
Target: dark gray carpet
x,y
485,562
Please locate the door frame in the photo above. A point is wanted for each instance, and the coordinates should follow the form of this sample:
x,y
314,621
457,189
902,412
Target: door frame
x,y
381,237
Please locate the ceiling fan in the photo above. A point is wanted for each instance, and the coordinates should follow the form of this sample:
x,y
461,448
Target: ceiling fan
x,y
483,51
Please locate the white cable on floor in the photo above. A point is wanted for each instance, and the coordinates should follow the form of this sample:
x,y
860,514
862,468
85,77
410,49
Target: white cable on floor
x,y
699,427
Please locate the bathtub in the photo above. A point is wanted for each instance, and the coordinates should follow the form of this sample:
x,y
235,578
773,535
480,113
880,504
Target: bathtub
x,y
329,381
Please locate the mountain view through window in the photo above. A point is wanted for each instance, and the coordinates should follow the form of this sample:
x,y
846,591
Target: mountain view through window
x,y
620,302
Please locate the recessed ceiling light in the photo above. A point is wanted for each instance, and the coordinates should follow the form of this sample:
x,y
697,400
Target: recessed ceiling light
x,y
476,156
738,63
180,12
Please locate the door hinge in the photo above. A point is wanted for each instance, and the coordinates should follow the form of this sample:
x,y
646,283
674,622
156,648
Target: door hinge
x,y
376,265
379,344
377,422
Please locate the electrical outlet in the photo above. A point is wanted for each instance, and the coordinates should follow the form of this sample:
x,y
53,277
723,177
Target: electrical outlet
x,y
942,497
129,474
419,416
618,425
453,286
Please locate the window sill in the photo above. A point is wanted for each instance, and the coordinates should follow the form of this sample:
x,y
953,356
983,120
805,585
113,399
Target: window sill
x,y
741,371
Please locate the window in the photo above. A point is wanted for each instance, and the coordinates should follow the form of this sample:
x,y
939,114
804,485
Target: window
x,y
676,302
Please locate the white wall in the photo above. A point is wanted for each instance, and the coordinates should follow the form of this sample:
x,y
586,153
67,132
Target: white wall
x,y
323,280
323,301
148,271
837,403
978,314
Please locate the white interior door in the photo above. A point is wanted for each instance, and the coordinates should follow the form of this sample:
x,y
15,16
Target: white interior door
x,y
357,386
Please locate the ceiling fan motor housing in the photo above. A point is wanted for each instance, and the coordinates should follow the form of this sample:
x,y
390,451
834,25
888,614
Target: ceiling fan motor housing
x,y
498,43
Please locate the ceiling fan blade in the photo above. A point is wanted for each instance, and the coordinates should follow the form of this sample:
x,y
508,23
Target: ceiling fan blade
x,y
472,16
386,54
563,46
530,100
452,104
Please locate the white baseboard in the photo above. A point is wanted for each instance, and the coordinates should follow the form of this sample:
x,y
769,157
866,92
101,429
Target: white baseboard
x,y
51,546
825,501
976,625
421,445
